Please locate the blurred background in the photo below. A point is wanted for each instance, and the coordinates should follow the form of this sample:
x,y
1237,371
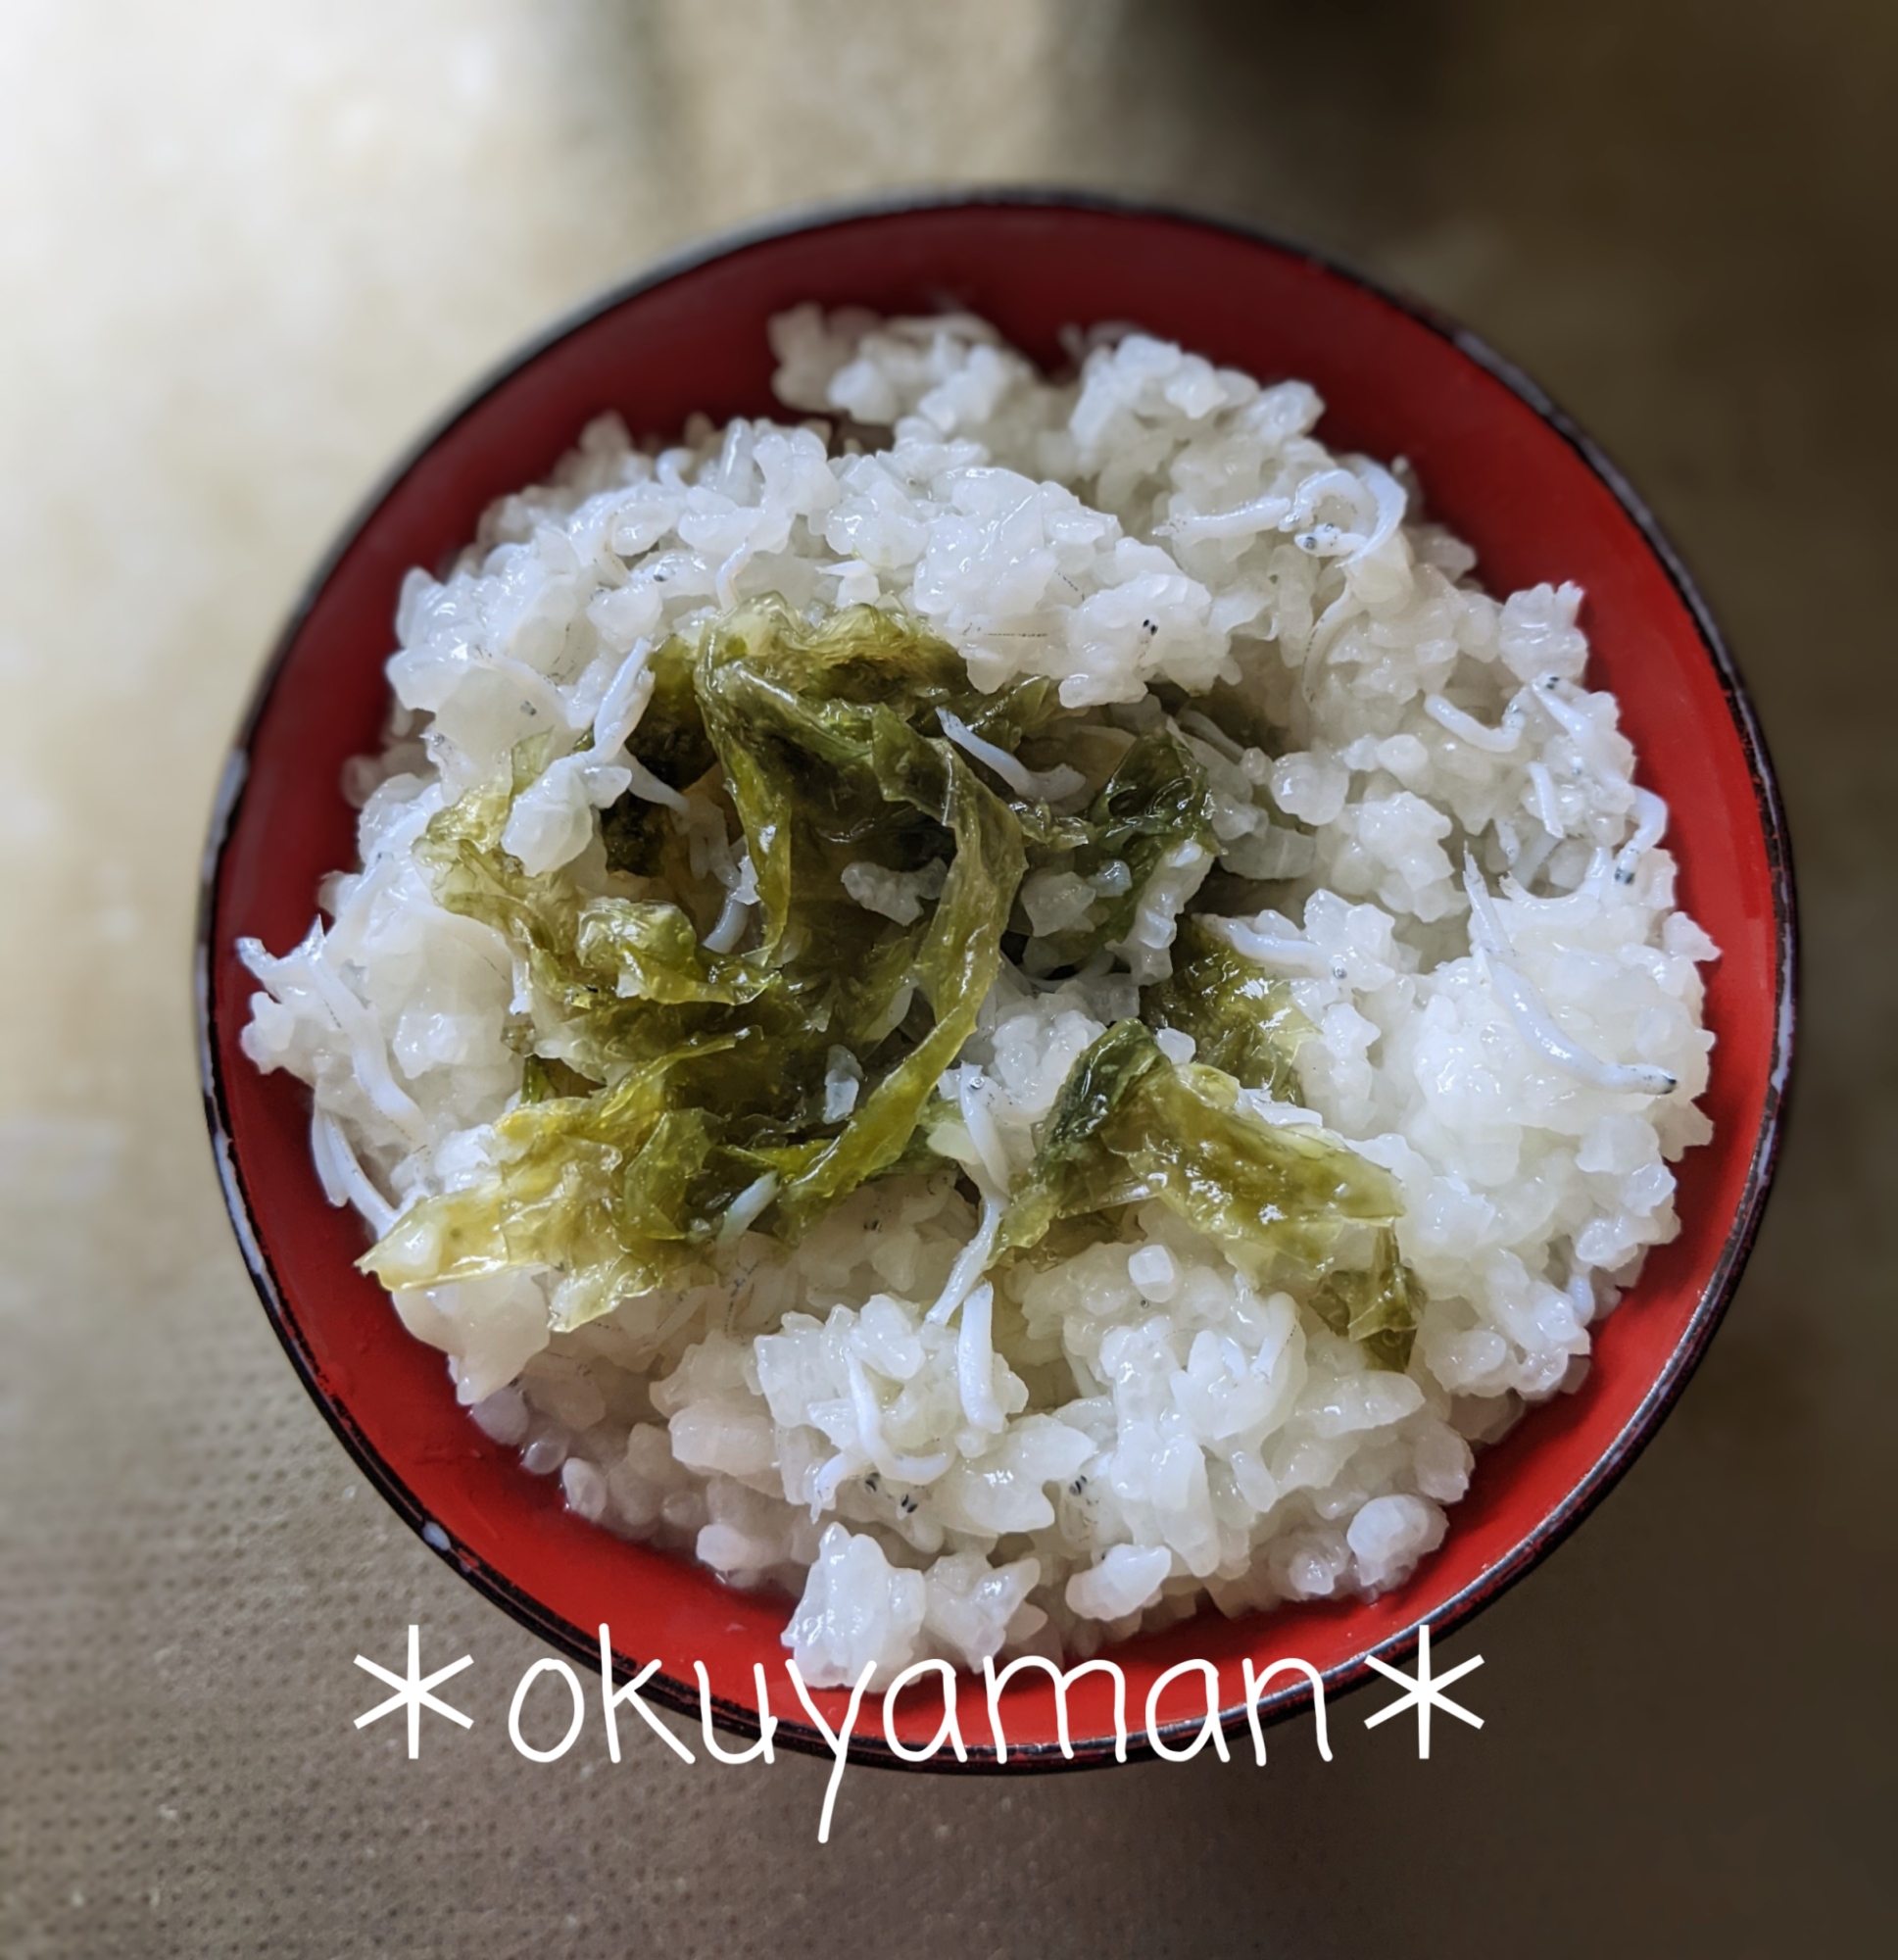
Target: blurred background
x,y
246,251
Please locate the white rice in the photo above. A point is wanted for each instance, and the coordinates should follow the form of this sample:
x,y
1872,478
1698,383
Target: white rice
x,y
931,1463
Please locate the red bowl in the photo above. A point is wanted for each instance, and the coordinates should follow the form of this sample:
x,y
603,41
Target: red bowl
x,y
1500,465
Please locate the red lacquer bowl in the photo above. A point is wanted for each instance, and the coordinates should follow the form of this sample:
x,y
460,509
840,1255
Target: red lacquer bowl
x,y
1500,465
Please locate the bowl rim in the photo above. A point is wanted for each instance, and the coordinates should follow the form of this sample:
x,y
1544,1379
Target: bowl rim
x,y
1715,1294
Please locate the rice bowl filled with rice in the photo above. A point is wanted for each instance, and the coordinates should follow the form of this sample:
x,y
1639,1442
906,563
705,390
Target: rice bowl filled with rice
x,y
1007,1009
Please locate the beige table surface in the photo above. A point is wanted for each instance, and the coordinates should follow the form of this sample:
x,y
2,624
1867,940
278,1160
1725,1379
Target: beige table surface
x,y
248,248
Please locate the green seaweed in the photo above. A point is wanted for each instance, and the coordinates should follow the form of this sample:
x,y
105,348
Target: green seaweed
x,y
662,1081
671,745
710,1067
1243,1020
1155,801
1378,1306
1129,1126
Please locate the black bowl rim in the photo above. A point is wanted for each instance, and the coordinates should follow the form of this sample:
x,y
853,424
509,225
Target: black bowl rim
x,y
1614,1461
